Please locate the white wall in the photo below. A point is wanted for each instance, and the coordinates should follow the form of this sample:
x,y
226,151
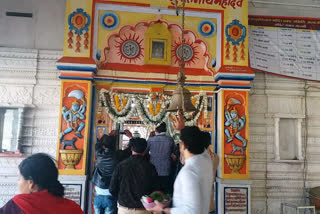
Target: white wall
x,y
29,76
43,31
275,182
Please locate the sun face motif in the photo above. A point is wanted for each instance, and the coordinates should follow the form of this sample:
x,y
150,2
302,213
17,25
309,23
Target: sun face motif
x,y
129,48
189,53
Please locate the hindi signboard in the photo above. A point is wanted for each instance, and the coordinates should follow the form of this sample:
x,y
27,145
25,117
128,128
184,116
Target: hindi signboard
x,y
73,192
285,46
236,200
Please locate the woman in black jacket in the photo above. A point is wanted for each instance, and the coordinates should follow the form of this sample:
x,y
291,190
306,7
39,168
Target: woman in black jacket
x,y
106,160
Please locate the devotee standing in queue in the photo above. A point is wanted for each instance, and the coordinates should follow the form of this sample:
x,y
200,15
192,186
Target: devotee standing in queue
x,y
161,151
41,192
107,159
192,188
133,178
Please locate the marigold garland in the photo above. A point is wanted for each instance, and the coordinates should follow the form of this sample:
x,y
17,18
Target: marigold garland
x,y
119,108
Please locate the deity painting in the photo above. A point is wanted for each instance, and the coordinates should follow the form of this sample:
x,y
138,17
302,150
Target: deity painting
x,y
158,49
209,106
234,122
208,121
101,115
75,114
72,133
235,132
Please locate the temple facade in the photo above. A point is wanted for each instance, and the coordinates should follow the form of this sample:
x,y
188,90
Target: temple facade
x,y
113,65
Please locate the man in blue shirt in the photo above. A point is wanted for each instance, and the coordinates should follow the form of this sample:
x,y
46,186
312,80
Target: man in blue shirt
x,y
161,149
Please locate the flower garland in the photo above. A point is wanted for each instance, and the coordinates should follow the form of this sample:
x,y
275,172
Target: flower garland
x,y
148,115
119,101
154,101
191,117
117,116
147,118
116,103
118,107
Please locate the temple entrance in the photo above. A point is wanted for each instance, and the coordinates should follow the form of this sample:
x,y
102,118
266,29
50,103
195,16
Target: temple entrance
x,y
137,128
131,53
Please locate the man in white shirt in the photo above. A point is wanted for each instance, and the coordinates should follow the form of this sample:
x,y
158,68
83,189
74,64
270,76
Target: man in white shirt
x,y
192,188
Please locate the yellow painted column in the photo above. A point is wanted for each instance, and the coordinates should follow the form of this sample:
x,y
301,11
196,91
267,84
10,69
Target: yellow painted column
x,y
74,123
233,134
233,186
77,70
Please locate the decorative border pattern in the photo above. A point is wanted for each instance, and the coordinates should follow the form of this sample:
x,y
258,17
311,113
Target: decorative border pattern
x,y
235,32
109,21
207,28
79,21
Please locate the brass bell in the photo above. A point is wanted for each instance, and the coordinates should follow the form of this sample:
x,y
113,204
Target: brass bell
x,y
181,100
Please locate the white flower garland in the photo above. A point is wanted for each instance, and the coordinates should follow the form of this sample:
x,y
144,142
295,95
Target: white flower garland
x,y
194,120
113,109
144,118
112,102
142,108
158,116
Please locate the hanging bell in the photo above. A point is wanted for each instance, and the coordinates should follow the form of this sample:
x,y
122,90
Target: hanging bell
x,y
181,97
181,100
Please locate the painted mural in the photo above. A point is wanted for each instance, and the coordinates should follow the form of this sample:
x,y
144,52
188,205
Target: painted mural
x,y
79,22
235,125
234,18
131,51
150,39
236,34
73,127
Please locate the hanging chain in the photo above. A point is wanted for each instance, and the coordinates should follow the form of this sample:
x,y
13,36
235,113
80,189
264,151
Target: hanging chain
x,y
181,77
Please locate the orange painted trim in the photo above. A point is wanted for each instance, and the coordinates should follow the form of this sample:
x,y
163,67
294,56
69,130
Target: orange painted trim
x,y
123,3
154,69
77,60
92,28
240,83
74,74
159,90
235,69
154,79
222,37
199,9
131,90
99,87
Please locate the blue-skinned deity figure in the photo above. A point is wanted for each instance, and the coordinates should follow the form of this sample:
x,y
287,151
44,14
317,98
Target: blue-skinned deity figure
x,y
236,124
74,118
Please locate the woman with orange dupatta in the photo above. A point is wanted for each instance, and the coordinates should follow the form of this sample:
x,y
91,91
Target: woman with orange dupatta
x,y
41,192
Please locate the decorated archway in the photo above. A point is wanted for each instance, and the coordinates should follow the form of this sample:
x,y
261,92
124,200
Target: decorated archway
x,y
122,57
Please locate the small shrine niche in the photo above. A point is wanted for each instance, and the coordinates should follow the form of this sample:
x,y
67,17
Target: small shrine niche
x,y
158,44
